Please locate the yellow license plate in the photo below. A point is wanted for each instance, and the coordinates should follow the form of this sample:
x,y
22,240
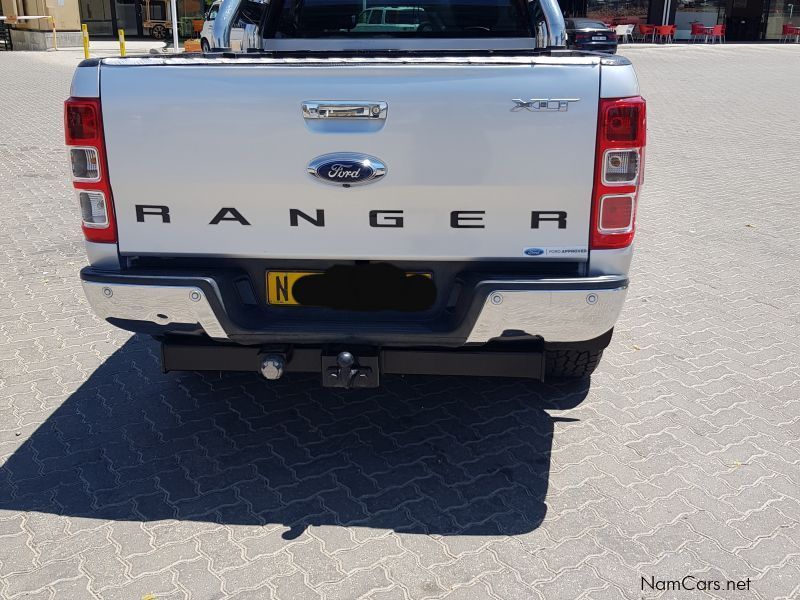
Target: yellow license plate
x,y
281,283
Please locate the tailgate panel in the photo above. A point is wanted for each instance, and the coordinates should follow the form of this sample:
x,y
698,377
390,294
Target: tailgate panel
x,y
201,138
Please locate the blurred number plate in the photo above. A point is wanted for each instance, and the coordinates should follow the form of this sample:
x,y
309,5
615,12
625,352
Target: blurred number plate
x,y
598,38
281,283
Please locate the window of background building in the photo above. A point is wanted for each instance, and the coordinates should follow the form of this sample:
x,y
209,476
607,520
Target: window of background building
x,y
780,13
618,12
189,11
97,16
705,12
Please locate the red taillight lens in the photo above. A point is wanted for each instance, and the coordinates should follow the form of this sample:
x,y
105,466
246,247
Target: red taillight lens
x,y
623,120
83,130
619,169
82,121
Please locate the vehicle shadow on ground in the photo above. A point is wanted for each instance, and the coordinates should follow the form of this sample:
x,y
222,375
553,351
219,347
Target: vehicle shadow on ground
x,y
444,455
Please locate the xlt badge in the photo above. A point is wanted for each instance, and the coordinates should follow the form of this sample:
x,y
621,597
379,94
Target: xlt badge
x,y
543,104
346,169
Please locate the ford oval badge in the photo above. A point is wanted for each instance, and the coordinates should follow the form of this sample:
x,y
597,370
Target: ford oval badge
x,y
346,169
534,251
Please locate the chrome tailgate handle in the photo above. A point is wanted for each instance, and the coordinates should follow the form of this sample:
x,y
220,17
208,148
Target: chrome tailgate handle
x,y
334,109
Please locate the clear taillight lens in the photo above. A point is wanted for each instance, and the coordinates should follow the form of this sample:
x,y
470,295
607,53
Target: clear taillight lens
x,y
85,164
93,208
621,167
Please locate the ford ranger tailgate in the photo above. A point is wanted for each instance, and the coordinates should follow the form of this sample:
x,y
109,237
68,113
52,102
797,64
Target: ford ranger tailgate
x,y
479,159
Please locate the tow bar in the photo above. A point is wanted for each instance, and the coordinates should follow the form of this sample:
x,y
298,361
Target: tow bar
x,y
359,367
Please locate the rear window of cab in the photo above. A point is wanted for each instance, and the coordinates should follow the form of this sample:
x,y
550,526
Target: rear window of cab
x,y
403,18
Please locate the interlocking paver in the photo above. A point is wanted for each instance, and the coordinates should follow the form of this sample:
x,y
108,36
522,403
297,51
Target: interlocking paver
x,y
681,457
356,585
196,579
45,575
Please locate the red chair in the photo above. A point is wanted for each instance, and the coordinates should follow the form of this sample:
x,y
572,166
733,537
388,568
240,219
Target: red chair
x,y
645,30
665,33
789,31
698,31
717,33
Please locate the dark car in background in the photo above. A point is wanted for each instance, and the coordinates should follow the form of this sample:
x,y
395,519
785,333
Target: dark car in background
x,y
590,34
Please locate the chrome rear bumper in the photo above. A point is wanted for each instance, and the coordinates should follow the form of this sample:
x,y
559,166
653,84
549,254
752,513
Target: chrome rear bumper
x,y
555,315
557,310
161,305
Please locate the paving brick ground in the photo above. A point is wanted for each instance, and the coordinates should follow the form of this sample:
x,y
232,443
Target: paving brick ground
x,y
681,457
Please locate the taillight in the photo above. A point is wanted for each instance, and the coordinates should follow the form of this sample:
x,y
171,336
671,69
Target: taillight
x,y
83,130
619,170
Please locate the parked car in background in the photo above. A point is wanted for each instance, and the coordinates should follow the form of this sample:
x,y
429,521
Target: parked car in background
x,y
592,35
393,18
207,33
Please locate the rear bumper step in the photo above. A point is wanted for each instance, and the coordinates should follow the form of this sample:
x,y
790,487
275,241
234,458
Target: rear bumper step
x,y
557,310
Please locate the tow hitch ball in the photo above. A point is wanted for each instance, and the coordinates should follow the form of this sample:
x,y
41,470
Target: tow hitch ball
x,y
346,371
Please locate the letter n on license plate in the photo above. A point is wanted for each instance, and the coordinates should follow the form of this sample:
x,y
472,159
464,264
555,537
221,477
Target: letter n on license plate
x,y
280,284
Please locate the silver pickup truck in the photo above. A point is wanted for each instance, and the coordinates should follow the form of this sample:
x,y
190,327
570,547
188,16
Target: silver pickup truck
x,y
454,195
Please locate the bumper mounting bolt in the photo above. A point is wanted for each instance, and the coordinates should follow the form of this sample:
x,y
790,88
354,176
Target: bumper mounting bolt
x,y
107,292
497,298
195,296
591,299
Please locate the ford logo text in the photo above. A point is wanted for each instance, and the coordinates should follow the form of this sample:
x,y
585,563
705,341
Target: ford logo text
x,y
346,169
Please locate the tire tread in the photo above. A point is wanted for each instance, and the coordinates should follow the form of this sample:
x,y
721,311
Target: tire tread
x,y
571,364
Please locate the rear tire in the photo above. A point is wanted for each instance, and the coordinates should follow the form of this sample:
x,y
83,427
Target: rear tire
x,y
205,46
571,364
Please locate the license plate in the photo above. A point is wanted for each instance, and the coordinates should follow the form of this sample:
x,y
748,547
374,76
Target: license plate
x,y
281,283
598,38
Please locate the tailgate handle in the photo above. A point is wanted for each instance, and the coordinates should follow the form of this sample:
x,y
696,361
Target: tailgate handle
x,y
334,109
